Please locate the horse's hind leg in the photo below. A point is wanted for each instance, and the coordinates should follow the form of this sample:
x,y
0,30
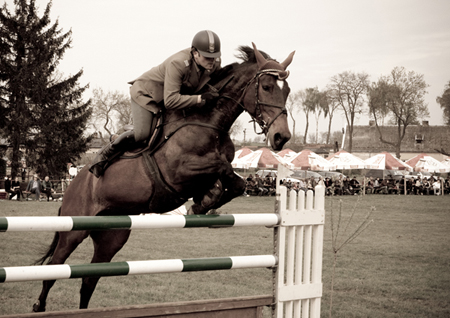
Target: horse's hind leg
x,y
106,245
67,243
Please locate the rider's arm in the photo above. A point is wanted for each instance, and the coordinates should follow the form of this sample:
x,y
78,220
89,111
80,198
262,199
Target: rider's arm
x,y
172,85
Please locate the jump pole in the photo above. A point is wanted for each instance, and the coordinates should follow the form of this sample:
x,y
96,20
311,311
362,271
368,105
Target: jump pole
x,y
298,251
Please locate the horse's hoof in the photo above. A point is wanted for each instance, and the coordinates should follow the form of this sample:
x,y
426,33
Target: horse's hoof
x,y
38,308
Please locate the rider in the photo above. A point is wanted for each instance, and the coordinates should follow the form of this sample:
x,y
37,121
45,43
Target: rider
x,y
176,82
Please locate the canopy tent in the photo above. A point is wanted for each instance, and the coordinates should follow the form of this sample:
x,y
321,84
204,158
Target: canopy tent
x,y
286,154
446,162
262,158
237,161
386,161
242,152
345,160
308,160
426,163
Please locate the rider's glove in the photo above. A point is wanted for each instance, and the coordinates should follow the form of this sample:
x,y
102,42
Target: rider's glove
x,y
209,98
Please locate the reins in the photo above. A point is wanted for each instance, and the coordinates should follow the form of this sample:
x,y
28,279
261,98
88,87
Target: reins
x,y
257,118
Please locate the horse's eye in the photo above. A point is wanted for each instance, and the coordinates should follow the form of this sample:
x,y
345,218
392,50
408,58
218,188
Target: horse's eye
x,y
266,88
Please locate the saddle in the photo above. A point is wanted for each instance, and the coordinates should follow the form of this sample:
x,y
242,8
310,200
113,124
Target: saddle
x,y
163,194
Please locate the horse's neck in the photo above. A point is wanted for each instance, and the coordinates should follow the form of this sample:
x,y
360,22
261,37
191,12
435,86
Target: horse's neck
x,y
230,106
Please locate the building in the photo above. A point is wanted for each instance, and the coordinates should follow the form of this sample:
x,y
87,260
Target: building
x,y
418,139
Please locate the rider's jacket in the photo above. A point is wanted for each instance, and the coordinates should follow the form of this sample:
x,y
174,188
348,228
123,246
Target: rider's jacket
x,y
175,81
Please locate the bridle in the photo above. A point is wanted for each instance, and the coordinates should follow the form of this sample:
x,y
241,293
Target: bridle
x,y
257,117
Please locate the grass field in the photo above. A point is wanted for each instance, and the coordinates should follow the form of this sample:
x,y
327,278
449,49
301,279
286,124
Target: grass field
x,y
398,267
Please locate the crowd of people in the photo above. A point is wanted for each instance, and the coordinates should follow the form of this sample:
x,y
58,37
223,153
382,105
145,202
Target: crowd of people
x,y
256,185
35,186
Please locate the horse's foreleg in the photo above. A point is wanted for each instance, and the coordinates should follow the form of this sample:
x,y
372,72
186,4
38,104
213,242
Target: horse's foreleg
x,y
203,204
233,186
106,245
67,243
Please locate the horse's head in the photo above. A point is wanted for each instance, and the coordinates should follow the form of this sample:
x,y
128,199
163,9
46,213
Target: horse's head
x,y
265,100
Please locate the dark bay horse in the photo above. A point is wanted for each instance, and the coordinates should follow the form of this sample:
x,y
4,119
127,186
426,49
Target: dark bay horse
x,y
192,160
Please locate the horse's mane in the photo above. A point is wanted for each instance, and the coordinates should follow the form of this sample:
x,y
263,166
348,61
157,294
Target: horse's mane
x,y
246,55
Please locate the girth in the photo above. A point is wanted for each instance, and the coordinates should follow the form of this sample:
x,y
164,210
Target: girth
x,y
163,194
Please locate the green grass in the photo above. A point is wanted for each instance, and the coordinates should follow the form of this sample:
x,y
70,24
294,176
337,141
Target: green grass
x,y
398,267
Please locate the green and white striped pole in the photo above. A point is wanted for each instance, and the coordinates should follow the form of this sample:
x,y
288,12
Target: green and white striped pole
x,y
132,222
64,271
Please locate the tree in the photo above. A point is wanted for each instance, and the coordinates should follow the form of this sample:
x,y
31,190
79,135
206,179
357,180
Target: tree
x,y
349,89
236,128
444,101
42,113
330,104
294,105
400,95
111,111
310,103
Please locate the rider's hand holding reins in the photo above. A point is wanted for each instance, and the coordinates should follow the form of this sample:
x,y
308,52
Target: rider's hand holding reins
x,y
209,98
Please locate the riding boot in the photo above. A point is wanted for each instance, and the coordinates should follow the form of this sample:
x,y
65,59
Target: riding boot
x,y
111,151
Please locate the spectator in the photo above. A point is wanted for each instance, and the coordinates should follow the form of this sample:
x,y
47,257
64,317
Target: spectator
x,y
355,186
376,185
383,186
47,188
34,186
269,184
418,186
401,185
437,187
369,185
328,186
15,186
260,186
302,185
410,186
338,184
447,185
23,171
426,187
346,186
8,187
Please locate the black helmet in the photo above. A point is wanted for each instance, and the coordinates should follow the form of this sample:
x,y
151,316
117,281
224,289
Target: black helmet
x,y
207,43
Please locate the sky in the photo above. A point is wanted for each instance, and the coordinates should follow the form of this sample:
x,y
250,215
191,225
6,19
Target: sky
x,y
116,41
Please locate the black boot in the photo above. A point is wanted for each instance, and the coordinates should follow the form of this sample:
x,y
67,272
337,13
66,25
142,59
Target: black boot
x,y
111,151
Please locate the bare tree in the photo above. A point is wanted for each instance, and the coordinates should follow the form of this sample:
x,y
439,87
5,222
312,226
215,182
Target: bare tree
x,y
330,104
400,95
310,102
112,110
349,89
294,105
236,128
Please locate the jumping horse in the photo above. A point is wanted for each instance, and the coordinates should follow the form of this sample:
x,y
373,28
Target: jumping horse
x,y
191,159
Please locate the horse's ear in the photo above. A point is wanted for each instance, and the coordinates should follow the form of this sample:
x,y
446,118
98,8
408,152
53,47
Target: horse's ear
x,y
259,57
287,61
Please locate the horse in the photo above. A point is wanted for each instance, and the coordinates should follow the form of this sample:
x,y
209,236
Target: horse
x,y
191,159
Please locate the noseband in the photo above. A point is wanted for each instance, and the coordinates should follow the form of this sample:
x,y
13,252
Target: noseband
x,y
257,118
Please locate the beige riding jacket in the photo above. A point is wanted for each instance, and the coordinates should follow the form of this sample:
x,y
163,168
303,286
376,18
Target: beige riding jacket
x,y
176,81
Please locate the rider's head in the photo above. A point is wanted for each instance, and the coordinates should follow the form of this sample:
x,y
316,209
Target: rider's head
x,y
206,48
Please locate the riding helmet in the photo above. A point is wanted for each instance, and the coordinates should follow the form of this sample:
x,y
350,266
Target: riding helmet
x,y
207,43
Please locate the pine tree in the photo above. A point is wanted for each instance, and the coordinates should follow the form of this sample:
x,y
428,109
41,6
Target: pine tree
x,y
42,112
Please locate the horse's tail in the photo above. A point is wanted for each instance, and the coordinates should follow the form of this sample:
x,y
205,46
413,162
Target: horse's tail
x,y
51,249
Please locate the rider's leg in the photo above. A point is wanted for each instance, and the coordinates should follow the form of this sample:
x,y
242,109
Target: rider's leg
x,y
144,124
120,144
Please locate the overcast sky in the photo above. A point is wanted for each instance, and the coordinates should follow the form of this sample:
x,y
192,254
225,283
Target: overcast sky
x,y
115,41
